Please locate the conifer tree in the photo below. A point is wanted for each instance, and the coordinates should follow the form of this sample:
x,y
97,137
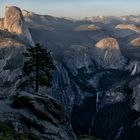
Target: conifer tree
x,y
38,67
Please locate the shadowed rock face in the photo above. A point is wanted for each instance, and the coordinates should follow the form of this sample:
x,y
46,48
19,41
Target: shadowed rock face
x,y
91,77
14,22
43,116
11,61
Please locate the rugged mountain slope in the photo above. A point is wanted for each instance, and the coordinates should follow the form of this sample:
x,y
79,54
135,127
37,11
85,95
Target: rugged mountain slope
x,y
90,27
96,77
11,61
109,54
40,115
14,23
94,69
135,42
128,26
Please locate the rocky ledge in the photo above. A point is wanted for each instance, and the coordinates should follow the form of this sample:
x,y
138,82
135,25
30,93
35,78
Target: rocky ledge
x,y
36,115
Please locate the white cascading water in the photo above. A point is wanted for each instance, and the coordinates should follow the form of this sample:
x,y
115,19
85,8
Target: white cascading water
x,y
97,108
134,70
97,101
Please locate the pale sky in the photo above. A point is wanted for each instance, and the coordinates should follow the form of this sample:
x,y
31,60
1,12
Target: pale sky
x,y
76,8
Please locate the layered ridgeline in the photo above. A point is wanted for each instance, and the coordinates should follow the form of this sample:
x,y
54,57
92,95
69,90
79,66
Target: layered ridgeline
x,y
96,77
97,71
25,115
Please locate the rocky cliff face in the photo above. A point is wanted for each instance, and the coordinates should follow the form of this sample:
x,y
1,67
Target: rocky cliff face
x,y
96,79
135,42
94,69
109,54
42,116
14,23
76,57
128,26
11,61
46,117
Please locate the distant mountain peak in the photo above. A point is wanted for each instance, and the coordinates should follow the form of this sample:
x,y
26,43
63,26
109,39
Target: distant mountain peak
x,y
132,27
108,53
14,22
87,27
107,43
27,13
135,42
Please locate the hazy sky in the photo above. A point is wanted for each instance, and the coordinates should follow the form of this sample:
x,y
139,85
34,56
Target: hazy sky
x,y
76,8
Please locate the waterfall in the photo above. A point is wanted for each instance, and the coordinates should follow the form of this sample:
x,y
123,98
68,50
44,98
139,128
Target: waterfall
x,y
97,108
105,56
134,70
97,101
120,132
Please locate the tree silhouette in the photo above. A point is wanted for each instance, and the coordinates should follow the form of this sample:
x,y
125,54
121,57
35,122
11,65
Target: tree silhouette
x,y
38,67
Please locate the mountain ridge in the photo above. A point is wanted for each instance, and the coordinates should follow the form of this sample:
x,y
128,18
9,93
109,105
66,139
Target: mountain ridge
x,y
96,76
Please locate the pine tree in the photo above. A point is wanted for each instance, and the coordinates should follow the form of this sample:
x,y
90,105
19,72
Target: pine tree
x,y
38,67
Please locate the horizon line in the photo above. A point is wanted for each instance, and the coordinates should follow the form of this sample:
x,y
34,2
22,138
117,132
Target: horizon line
x,y
67,17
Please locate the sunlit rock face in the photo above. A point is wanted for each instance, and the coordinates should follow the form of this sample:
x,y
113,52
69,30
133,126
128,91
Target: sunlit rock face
x,y
108,43
90,27
14,23
128,26
108,54
135,42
